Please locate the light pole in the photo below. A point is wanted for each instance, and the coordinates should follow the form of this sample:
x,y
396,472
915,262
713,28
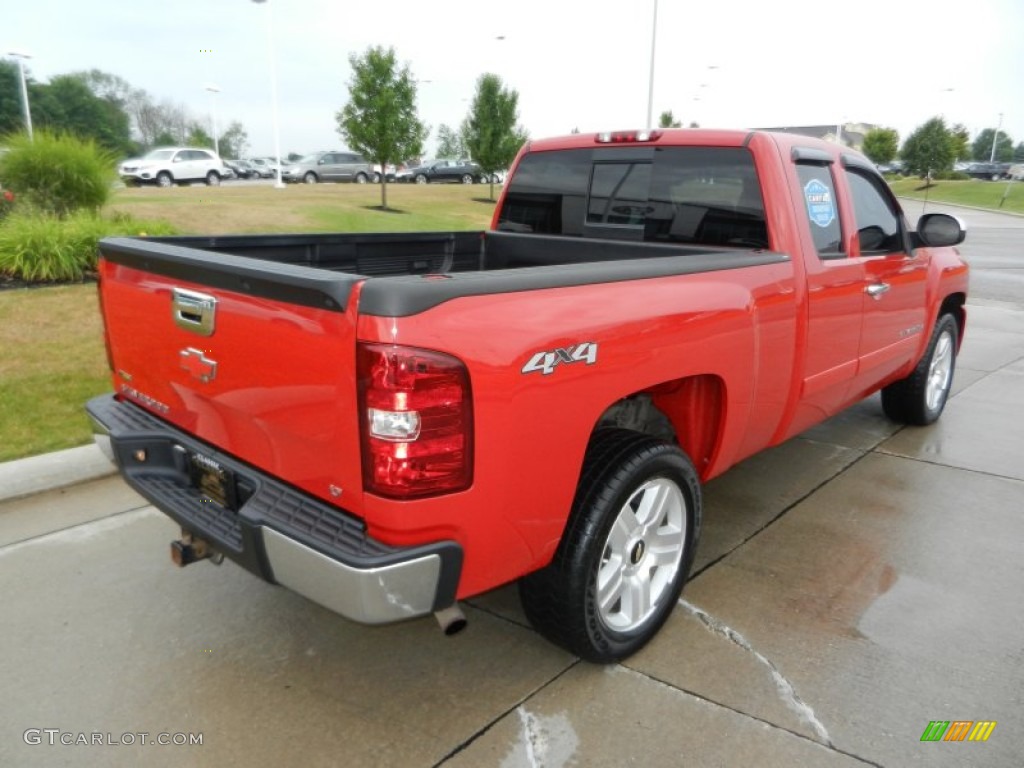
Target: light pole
x,y
214,90
992,157
21,56
650,81
273,89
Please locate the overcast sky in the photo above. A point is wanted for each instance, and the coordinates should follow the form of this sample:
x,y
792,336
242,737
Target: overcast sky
x,y
575,63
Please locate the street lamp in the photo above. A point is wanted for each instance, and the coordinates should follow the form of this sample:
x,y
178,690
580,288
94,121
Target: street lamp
x,y
214,90
992,157
21,56
273,89
650,80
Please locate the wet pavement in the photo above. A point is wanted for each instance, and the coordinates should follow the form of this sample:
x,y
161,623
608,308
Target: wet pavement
x,y
852,585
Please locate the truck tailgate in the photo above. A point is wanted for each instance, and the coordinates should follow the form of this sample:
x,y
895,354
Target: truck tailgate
x,y
255,359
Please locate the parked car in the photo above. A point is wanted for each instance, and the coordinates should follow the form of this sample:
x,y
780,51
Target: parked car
x,y
1017,172
265,169
989,171
244,169
167,166
390,173
329,166
444,171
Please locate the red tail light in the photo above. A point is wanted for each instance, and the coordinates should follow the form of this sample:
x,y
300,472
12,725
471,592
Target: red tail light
x,y
416,421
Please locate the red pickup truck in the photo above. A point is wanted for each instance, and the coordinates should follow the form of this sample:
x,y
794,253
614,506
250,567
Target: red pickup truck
x,y
389,423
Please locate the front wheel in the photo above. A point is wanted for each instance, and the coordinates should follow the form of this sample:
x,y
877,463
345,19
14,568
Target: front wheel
x,y
920,397
213,179
164,179
310,178
421,179
467,178
626,550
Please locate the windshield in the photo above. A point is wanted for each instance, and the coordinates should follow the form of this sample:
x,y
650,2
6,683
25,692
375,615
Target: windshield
x,y
160,154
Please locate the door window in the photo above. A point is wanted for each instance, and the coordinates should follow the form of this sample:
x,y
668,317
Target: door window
x,y
878,224
818,193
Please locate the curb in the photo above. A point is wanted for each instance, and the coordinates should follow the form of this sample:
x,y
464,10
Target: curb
x,y
50,471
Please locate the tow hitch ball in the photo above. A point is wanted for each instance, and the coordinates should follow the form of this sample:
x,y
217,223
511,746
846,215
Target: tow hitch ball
x,y
191,549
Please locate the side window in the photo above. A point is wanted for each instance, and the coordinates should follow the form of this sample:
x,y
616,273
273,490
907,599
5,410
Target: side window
x,y
818,193
878,224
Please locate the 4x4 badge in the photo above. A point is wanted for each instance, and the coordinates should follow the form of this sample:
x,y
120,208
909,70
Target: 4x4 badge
x,y
545,362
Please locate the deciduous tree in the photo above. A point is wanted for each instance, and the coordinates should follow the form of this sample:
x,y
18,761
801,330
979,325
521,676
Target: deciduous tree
x,y
881,145
668,120
380,119
981,149
928,149
491,131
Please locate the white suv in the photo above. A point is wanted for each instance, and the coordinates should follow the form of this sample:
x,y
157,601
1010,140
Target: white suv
x,y
173,165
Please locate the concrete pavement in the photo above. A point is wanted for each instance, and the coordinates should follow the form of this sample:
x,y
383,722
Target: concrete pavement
x,y
852,585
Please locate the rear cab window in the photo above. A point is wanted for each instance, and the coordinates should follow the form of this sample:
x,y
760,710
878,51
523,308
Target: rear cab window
x,y
694,195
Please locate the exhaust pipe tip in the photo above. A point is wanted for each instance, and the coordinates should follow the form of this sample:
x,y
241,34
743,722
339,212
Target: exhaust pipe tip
x,y
451,619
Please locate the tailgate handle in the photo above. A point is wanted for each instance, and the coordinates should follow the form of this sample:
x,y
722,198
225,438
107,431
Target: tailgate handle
x,y
193,311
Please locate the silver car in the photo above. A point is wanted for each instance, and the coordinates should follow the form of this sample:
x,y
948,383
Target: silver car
x,y
329,166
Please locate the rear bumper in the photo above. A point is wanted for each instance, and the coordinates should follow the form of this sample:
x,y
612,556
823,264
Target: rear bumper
x,y
282,535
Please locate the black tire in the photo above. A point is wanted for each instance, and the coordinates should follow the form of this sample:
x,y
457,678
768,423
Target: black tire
x,y
420,179
213,179
467,178
164,179
361,178
562,601
310,178
920,397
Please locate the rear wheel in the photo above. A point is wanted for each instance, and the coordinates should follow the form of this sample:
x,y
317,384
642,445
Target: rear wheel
x,y
164,179
920,397
626,550
361,178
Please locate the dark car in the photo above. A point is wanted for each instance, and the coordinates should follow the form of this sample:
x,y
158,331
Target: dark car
x,y
444,172
244,169
989,171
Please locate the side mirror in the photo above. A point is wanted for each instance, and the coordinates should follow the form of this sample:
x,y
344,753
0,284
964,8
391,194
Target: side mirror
x,y
939,229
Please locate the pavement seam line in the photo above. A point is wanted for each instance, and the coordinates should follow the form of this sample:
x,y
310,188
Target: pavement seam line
x,y
767,723
576,661
70,528
786,690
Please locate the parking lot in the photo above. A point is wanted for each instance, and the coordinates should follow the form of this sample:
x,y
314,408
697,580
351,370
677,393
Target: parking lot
x,y
852,585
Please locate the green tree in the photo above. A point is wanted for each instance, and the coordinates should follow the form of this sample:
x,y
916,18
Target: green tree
x,y
11,118
668,120
928,149
380,119
491,133
881,145
198,137
961,139
981,149
450,143
66,104
234,142
1018,152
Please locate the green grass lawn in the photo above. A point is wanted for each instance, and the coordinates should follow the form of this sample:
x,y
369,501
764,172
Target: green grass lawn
x,y
51,339
976,193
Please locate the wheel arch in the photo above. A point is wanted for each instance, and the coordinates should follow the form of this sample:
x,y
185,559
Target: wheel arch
x,y
689,412
954,305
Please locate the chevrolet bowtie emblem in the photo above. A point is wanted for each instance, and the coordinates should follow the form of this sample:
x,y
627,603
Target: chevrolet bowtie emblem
x,y
198,365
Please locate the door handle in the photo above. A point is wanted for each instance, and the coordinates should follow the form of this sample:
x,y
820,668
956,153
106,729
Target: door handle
x,y
875,290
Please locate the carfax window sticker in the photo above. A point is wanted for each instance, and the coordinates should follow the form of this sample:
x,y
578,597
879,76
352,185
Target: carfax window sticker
x,y
820,207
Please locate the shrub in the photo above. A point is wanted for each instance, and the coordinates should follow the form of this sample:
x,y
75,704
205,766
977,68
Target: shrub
x,y
57,173
6,203
950,176
41,247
